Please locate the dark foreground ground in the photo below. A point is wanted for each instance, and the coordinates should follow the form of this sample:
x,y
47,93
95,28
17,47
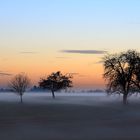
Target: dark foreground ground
x,y
76,118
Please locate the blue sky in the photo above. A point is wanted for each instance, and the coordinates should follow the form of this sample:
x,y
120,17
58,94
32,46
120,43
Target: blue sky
x,y
95,11
64,19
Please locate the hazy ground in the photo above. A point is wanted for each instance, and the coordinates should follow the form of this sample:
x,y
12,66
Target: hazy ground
x,y
71,117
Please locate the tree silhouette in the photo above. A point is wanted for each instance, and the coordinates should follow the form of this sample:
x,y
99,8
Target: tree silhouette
x,y
122,73
19,84
56,81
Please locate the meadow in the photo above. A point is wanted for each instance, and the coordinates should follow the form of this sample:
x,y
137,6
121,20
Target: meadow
x,y
70,116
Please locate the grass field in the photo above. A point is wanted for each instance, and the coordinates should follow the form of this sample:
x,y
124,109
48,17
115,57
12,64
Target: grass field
x,y
68,118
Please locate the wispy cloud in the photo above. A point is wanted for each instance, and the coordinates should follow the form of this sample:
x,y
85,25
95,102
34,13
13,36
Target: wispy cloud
x,y
73,73
5,74
77,74
99,62
93,63
84,51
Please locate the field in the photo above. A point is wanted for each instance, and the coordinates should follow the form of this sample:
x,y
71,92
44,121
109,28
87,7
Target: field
x,y
68,117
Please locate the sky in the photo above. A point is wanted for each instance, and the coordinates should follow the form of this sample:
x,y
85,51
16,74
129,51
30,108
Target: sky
x,y
39,37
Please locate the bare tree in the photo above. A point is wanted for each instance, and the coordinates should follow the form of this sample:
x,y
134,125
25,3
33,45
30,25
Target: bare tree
x,y
19,84
120,71
56,81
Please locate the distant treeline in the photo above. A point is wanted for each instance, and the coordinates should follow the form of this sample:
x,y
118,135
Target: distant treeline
x,y
38,89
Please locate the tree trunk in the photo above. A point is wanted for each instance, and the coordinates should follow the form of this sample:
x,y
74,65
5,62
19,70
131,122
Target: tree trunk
x,y
21,98
53,95
124,99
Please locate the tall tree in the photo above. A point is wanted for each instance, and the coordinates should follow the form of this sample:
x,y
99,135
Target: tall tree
x,y
19,84
56,81
120,71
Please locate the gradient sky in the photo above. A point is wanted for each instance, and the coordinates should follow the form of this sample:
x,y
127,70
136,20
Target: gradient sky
x,y
40,36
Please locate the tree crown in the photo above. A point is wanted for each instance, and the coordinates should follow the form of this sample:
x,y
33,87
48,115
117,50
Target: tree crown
x,y
122,71
56,81
19,83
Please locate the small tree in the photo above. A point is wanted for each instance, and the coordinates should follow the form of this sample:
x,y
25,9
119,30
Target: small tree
x,y
122,73
56,81
19,84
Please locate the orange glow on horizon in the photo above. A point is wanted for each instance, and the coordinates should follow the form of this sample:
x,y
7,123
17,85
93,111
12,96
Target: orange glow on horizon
x,y
86,75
